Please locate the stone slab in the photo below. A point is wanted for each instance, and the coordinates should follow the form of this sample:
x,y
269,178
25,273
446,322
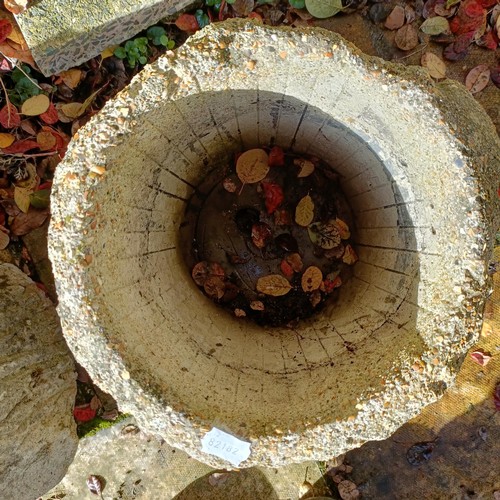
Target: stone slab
x,y
62,33
136,465
37,391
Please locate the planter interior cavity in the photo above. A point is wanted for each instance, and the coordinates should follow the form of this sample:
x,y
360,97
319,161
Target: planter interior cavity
x,y
370,360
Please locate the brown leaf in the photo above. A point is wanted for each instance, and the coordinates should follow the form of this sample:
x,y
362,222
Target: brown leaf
x,y
311,279
257,305
435,65
342,228
240,313
274,285
204,270
24,223
282,217
315,298
350,256
94,485
477,78
481,358
95,403
214,287
71,77
252,166
335,253
396,18
348,490
15,6
295,261
304,212
4,238
229,185
35,105
17,51
46,140
325,235
406,37
261,234
306,167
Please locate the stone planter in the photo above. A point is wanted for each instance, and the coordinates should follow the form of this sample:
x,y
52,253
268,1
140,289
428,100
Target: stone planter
x,y
419,163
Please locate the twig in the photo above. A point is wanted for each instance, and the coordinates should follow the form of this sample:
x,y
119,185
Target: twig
x,y
23,155
7,100
412,53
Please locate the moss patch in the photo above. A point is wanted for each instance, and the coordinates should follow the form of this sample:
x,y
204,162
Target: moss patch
x,y
97,424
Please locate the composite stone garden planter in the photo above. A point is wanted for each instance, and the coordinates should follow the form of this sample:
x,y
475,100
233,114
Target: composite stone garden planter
x,y
419,163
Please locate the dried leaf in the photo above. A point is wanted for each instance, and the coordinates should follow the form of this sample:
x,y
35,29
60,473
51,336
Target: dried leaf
x,y
477,78
229,185
4,238
295,261
94,485
332,281
72,109
6,140
406,37
95,403
204,270
5,29
29,127
274,285
325,235
335,253
348,490
282,217
22,198
187,22
435,65
240,313
46,140
342,228
306,167
257,305
396,18
311,279
9,117
252,166
243,7
15,6
315,298
35,105
304,212
71,77
50,117
481,358
21,146
214,287
261,234
83,413
40,198
350,256
274,196
286,269
435,25
276,157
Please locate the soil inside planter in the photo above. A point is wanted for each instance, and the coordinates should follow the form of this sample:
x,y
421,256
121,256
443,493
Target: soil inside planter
x,y
258,251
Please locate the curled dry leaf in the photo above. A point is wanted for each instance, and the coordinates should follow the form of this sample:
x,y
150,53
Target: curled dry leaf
x,y
257,305
396,18
306,167
35,105
295,261
343,229
94,485
325,235
274,285
477,78
481,358
239,313
350,256
406,37
311,279
434,64
214,287
229,185
348,490
304,212
252,166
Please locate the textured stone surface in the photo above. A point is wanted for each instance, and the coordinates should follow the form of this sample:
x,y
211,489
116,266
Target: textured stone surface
x,y
136,466
419,163
37,391
63,33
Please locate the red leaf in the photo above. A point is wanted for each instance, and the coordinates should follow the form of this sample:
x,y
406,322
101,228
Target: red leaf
x,y
481,358
286,269
330,285
274,196
21,146
261,234
473,8
24,223
84,414
187,22
9,117
489,40
276,157
5,29
50,116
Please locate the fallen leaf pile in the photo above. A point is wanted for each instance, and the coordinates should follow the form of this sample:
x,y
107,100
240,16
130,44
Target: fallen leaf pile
x,y
287,245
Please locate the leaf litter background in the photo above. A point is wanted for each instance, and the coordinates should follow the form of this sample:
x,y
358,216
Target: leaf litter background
x,y
450,448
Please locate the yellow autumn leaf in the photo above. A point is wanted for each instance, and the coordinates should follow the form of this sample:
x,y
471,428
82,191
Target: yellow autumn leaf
x,y
31,180
274,285
304,212
306,167
46,140
71,77
109,52
350,256
311,279
72,109
252,166
22,198
343,229
35,105
6,140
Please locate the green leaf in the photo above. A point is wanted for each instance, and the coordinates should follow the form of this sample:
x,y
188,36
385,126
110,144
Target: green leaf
x,y
143,60
164,40
451,3
297,4
435,25
230,2
210,3
40,199
170,44
322,9
202,18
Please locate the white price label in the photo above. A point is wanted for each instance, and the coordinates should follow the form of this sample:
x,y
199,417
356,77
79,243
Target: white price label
x,y
226,446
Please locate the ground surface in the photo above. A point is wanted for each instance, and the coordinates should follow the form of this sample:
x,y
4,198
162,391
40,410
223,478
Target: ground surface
x,y
462,431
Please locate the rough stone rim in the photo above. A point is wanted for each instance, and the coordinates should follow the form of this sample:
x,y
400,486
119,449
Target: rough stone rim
x,y
76,308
